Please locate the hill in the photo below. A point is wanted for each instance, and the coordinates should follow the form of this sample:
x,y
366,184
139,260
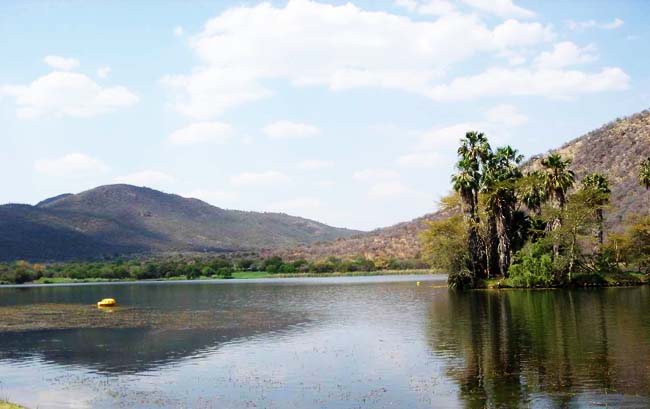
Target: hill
x,y
616,150
123,219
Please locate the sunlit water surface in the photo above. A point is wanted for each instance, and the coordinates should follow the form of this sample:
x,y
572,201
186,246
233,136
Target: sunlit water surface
x,y
358,342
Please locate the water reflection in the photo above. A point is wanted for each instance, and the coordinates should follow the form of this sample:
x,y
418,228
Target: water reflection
x,y
540,348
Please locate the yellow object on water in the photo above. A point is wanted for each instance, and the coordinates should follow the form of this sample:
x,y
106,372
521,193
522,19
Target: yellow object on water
x,y
418,283
107,302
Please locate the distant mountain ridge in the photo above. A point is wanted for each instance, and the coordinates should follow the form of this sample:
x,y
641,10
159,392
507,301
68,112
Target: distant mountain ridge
x,y
615,149
124,219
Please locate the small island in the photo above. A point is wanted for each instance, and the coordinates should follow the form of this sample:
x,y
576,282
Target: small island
x,y
533,224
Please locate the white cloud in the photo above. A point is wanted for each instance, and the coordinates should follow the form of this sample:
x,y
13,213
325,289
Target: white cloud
x,y
375,174
582,25
74,164
289,130
266,178
202,132
566,54
499,82
146,177
103,72
387,189
430,7
507,115
312,164
513,33
214,197
340,47
501,8
298,205
61,63
60,94
420,160
179,31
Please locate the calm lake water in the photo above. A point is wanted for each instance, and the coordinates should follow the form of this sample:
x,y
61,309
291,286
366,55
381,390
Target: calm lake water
x,y
362,342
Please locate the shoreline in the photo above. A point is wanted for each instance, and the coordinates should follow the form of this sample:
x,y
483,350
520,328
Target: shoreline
x,y
242,275
596,280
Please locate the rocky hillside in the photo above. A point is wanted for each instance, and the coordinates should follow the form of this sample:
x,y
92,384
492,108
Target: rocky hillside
x,y
616,149
124,219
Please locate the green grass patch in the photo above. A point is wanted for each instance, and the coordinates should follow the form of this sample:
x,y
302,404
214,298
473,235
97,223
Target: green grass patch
x,y
7,405
251,274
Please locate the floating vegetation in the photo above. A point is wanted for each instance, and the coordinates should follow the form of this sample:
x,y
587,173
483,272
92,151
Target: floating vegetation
x,y
37,317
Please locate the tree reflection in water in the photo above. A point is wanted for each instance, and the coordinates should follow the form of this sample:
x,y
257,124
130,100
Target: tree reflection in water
x,y
546,347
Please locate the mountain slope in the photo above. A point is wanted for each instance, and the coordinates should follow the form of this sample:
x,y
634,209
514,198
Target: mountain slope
x,y
616,150
124,219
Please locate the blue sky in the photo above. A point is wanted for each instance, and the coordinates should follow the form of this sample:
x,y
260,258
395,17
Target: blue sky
x,y
347,113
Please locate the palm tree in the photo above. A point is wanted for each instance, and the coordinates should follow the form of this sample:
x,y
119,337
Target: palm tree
x,y
532,192
598,185
473,152
558,179
644,173
500,177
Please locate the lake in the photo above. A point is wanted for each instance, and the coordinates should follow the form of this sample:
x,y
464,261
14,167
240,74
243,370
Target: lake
x,y
356,342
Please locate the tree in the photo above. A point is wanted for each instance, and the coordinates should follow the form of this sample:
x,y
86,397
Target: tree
x,y
598,190
644,173
558,179
532,192
500,177
472,153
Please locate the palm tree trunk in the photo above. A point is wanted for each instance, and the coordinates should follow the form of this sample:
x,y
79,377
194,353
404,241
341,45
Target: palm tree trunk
x,y
492,247
504,248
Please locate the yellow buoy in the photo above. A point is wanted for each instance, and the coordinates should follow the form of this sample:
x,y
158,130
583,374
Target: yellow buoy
x,y
418,283
107,302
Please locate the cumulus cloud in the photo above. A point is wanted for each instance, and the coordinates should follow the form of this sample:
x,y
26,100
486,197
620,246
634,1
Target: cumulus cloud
x,y
61,63
61,94
202,132
266,178
289,130
179,31
312,164
147,177
501,8
307,43
566,54
103,72
430,7
553,83
73,164
582,25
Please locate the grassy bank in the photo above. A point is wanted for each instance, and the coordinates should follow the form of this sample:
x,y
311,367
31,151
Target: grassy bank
x,y
235,275
624,279
6,405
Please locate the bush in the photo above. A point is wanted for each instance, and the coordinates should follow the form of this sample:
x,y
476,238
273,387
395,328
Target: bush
x,y
533,267
460,279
